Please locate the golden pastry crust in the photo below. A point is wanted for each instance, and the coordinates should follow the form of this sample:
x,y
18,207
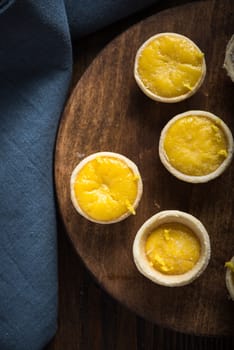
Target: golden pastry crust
x,y
91,157
203,178
142,262
156,96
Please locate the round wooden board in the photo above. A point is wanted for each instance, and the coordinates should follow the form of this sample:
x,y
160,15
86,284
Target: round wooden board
x,y
108,112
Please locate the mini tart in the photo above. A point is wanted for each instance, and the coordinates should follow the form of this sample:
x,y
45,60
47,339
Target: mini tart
x,y
106,187
169,67
156,221
229,58
229,278
194,145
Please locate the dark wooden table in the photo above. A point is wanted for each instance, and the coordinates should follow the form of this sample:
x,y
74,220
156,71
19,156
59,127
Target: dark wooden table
x,y
88,317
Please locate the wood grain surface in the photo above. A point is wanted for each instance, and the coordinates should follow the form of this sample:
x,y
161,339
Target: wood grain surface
x,y
107,112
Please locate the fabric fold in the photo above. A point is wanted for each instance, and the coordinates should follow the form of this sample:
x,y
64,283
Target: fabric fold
x,y
4,4
88,16
35,72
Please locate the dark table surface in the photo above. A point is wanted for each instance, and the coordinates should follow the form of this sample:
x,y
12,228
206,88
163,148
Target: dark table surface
x,y
88,317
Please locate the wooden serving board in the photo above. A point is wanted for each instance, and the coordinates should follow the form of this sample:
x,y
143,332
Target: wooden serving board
x,y
108,112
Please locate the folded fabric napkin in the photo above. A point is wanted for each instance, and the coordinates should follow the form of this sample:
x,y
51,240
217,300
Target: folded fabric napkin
x,y
35,71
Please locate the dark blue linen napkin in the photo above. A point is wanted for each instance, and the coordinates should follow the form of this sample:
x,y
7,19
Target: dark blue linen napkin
x,y
35,72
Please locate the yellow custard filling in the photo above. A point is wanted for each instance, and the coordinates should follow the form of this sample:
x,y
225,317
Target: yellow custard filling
x,y
230,266
106,188
195,145
172,249
170,66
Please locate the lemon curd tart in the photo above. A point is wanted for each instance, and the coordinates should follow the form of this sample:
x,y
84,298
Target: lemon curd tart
x,y
169,67
172,248
229,58
229,277
106,187
196,146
